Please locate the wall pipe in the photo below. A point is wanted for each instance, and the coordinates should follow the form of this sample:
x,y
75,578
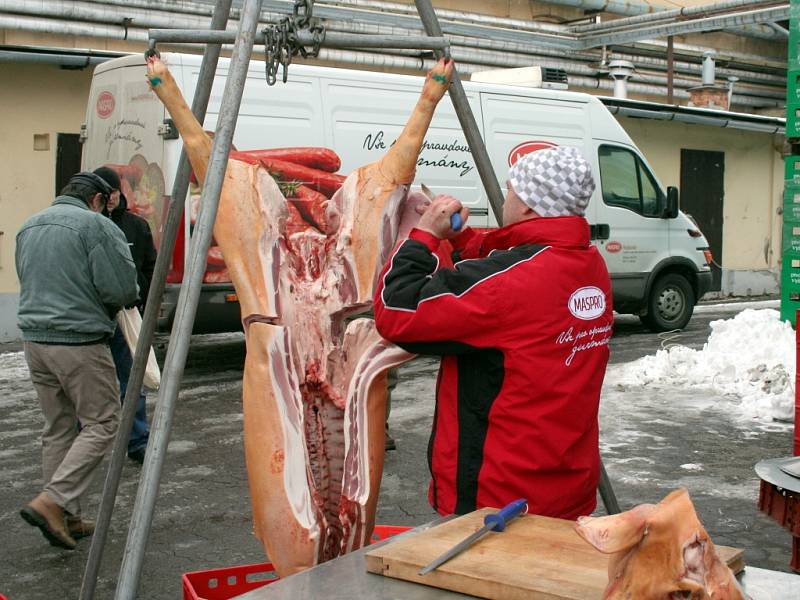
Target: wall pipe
x,y
142,517
452,15
191,15
780,30
587,56
588,82
626,7
670,14
170,20
762,15
139,35
493,58
636,7
775,64
323,11
75,61
201,8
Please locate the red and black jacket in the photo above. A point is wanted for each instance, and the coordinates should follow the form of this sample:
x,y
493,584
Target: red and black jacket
x,y
522,323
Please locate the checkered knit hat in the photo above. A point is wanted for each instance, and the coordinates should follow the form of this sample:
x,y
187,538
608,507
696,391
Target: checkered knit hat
x,y
555,182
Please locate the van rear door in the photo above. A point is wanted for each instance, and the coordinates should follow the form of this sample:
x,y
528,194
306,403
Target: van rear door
x,y
123,118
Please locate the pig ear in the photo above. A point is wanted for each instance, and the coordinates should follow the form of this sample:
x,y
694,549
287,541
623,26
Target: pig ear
x,y
615,533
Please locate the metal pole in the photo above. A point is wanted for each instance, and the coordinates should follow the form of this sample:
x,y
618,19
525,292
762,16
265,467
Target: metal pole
x,y
305,38
142,517
200,102
670,70
607,492
466,118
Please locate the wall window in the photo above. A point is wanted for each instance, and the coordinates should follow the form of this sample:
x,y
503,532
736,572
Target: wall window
x,y
627,183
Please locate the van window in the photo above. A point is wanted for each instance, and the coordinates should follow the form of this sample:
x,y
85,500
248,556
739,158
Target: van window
x,y
627,183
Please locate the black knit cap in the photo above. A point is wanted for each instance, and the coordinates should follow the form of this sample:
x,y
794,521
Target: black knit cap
x,y
109,175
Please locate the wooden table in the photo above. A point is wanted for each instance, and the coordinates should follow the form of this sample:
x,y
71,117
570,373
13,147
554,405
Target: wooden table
x,y
535,557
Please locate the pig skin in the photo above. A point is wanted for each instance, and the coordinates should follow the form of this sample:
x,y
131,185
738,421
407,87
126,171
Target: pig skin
x,y
660,552
314,387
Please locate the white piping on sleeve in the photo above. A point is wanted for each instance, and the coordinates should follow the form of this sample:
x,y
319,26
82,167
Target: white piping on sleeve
x,y
470,288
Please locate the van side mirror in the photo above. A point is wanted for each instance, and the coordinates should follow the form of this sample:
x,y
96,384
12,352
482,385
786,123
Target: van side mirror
x,y
671,209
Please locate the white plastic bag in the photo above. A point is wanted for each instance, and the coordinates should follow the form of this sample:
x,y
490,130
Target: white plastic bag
x,y
130,321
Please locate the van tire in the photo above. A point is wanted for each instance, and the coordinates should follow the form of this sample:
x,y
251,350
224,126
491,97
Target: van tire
x,y
670,304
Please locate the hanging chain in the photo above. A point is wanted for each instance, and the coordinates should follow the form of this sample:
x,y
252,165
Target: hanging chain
x,y
281,42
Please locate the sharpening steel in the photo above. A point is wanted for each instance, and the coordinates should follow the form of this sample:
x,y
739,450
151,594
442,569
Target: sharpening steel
x,y
493,522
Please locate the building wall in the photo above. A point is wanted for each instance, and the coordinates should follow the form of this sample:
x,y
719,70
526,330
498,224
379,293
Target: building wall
x,y
34,99
48,100
753,185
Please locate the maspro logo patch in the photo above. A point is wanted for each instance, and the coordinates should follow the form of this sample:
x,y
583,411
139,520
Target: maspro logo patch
x,y
587,303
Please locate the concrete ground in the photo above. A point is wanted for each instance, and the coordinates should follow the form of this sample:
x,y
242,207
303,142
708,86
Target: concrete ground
x,y
651,443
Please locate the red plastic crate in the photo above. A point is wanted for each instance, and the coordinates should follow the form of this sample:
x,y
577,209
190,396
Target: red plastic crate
x,y
225,583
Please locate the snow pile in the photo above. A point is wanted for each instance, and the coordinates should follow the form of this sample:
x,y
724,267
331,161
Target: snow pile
x,y
750,359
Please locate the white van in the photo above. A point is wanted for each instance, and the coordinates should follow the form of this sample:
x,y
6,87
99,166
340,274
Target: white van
x,y
658,259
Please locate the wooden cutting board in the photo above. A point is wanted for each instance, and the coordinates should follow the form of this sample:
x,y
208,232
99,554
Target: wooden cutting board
x,y
536,558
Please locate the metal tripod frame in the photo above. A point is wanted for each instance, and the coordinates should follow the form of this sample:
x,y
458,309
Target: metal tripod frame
x,y
142,517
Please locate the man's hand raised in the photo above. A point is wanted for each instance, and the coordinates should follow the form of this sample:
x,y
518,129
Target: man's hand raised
x,y
436,219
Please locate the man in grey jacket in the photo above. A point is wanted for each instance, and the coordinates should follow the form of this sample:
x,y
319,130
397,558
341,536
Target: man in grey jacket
x,y
75,272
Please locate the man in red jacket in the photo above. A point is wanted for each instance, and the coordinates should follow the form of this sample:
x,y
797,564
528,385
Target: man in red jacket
x,y
522,323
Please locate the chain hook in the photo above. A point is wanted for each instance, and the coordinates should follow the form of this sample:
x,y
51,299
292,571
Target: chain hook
x,y
281,41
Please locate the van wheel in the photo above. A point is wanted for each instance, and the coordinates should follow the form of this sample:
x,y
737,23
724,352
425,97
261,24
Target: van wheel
x,y
670,304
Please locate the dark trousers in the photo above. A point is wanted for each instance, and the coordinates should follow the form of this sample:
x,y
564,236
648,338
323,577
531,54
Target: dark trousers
x,y
123,363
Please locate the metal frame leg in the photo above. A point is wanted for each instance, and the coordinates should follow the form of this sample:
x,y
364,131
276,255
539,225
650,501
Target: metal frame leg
x,y
466,118
219,20
143,509
607,492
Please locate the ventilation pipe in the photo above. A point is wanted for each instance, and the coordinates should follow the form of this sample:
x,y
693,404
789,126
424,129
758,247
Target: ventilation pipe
x,y
731,81
620,71
709,74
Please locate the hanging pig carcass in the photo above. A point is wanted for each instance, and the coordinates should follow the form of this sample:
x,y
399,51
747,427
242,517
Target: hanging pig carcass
x,y
660,552
314,380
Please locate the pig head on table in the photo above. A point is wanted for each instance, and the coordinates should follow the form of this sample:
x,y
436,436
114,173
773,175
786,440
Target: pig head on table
x,y
314,386
660,552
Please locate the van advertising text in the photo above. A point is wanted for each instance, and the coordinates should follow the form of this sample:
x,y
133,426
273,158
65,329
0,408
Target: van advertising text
x,y
375,141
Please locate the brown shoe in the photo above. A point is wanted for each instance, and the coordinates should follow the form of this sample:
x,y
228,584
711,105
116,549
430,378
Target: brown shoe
x,y
44,513
79,528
